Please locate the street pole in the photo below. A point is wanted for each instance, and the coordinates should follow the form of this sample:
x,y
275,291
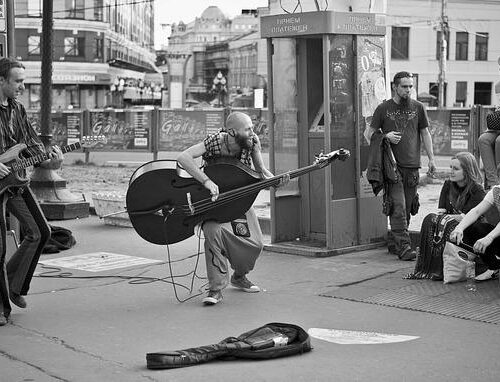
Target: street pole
x,y
56,201
46,81
442,53
11,28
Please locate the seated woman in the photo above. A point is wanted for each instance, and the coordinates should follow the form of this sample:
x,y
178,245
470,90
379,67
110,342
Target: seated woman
x,y
483,238
461,193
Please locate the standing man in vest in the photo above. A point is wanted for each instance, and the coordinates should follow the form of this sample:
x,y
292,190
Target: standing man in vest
x,y
405,123
16,275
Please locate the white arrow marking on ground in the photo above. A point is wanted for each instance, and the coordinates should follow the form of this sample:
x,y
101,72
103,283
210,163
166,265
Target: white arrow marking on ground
x,y
351,337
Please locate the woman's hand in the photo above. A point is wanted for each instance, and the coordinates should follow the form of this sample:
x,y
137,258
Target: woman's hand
x,y
457,217
457,236
481,245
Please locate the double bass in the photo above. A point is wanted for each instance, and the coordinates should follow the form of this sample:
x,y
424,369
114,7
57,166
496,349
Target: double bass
x,y
165,207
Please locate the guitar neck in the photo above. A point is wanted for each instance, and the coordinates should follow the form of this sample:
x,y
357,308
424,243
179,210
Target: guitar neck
x,y
34,160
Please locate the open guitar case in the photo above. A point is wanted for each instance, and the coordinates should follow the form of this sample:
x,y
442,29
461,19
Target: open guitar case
x,y
272,340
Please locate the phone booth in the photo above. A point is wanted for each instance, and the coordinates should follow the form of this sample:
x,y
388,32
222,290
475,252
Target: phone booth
x,y
327,74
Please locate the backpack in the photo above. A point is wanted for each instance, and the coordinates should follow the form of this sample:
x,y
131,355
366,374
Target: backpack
x,y
269,341
60,239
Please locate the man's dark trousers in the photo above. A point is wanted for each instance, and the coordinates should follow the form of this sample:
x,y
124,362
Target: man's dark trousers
x,y
402,195
20,268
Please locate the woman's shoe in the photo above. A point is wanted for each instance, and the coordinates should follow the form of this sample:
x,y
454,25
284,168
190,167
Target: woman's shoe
x,y
489,274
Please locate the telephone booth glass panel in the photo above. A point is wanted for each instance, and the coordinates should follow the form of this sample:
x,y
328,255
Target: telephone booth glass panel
x,y
342,108
286,155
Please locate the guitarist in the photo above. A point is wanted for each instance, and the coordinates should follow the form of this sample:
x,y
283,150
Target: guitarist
x,y
15,276
239,241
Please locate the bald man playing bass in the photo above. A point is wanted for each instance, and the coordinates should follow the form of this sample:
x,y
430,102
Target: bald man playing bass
x,y
239,241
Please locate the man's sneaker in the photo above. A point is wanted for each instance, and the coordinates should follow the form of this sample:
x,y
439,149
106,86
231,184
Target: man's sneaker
x,y
244,284
3,320
407,254
213,297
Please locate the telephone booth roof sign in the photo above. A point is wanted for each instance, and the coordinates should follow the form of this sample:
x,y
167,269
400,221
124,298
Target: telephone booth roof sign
x,y
317,23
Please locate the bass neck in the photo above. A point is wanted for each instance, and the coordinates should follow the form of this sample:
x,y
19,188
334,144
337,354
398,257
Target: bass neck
x,y
263,184
21,164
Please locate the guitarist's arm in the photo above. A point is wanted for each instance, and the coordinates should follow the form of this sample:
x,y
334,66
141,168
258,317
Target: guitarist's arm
x,y
4,171
258,162
187,160
34,145
56,159
260,167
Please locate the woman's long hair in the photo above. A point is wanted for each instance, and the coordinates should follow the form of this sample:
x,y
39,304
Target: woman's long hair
x,y
472,176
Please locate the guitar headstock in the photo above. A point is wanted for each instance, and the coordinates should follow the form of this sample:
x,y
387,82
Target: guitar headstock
x,y
323,160
90,141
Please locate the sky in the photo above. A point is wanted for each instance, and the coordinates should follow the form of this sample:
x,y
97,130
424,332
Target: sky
x,y
173,11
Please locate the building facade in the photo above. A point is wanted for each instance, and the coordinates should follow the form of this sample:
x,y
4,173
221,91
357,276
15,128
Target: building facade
x,y
247,63
473,36
205,42
413,30
103,52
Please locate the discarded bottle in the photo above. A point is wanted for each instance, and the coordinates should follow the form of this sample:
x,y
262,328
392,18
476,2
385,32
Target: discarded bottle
x,y
470,275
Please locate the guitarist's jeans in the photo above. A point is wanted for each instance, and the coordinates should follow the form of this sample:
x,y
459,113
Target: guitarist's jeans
x,y
222,244
18,272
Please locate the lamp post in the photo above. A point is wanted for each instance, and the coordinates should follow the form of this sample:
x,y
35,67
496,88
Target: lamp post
x,y
219,86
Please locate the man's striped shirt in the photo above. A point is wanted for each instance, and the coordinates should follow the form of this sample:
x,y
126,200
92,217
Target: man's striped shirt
x,y
15,128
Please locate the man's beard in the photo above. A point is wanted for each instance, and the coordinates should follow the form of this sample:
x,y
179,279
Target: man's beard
x,y
243,142
404,101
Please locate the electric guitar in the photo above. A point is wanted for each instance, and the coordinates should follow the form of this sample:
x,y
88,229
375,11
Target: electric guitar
x,y
12,159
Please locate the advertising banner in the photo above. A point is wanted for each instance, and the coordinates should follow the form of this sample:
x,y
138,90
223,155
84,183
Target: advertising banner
x,y
122,129
179,129
66,126
450,130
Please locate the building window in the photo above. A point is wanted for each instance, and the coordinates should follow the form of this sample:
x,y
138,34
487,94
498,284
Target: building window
x,y
434,91
481,46
99,48
34,8
482,93
462,46
98,10
461,93
400,43
73,46
73,96
438,45
75,9
33,45
34,96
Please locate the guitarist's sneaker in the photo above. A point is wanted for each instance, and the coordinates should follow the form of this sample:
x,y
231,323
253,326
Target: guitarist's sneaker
x,y
241,282
213,297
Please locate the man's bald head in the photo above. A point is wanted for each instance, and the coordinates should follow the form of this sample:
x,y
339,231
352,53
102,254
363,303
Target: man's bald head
x,y
242,126
236,120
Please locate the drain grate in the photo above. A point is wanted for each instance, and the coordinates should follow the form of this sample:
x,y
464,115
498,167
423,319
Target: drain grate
x,y
451,300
